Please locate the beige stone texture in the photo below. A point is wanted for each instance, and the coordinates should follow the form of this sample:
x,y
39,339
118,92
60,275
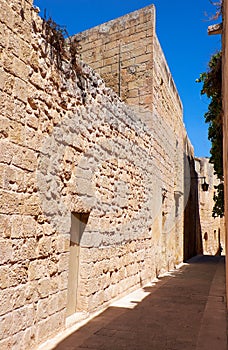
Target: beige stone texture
x,y
70,146
122,52
212,229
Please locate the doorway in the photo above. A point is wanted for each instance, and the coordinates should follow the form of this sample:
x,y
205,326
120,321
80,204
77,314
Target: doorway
x,y
78,225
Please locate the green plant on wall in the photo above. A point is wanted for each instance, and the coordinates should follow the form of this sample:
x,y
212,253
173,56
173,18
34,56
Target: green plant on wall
x,y
212,88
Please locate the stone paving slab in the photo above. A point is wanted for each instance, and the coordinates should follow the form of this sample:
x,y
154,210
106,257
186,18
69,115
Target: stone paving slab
x,y
185,310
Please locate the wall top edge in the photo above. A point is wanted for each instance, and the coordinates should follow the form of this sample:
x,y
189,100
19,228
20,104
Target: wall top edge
x,y
168,73
122,20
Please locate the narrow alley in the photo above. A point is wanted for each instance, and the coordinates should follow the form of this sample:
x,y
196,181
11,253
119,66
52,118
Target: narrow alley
x,y
103,194
184,310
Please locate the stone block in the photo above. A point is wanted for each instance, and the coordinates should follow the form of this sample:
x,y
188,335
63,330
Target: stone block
x,y
47,229
6,250
57,321
7,151
32,205
23,318
6,325
34,61
5,227
62,244
4,32
32,119
110,60
38,269
19,297
63,263
6,344
18,272
32,139
29,226
20,89
6,304
18,110
31,291
24,158
44,287
4,276
21,69
51,325
43,329
4,76
53,266
24,50
37,81
24,247
14,179
45,246
84,187
29,338
42,308
62,299
63,280
53,304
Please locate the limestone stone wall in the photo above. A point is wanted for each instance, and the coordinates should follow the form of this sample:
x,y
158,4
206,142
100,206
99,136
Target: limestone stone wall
x,y
192,229
127,54
212,229
32,256
121,51
70,148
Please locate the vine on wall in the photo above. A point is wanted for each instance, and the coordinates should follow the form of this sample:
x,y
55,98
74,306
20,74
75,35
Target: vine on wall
x,y
62,47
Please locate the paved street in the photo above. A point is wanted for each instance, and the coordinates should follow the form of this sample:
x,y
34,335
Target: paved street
x,y
182,311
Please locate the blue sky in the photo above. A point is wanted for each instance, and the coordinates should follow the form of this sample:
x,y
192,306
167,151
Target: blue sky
x,y
182,31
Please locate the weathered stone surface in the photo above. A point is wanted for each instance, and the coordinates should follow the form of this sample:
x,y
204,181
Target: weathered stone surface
x,y
212,229
69,144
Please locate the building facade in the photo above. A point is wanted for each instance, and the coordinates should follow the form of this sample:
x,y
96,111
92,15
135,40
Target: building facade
x,y
212,229
95,171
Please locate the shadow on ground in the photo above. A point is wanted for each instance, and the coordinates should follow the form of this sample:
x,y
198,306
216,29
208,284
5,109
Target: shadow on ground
x,y
169,318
